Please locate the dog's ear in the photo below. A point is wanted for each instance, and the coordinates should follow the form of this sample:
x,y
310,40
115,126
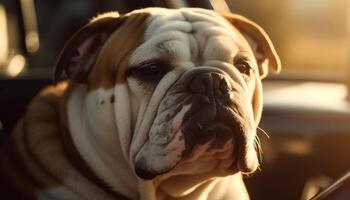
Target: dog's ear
x,y
80,52
259,41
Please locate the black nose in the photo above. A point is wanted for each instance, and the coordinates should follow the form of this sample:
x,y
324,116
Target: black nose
x,y
208,82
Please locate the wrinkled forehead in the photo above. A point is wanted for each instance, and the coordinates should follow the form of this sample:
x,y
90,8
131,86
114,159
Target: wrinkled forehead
x,y
195,19
188,36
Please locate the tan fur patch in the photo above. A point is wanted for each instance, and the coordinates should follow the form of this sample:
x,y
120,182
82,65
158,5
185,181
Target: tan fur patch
x,y
113,59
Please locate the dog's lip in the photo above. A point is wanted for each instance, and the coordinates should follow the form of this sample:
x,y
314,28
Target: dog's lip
x,y
214,137
210,130
202,120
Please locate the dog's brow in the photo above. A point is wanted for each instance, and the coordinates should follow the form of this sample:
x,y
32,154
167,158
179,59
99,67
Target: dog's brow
x,y
242,51
236,49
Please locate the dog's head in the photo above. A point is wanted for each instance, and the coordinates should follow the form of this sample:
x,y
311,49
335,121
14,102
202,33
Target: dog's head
x,y
178,87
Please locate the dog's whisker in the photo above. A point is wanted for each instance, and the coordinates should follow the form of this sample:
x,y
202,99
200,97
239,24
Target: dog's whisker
x,y
257,145
260,130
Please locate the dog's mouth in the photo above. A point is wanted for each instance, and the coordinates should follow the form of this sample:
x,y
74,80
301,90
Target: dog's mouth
x,y
215,138
211,130
196,126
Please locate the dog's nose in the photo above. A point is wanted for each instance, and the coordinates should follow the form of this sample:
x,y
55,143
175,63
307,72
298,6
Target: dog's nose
x,y
208,82
144,174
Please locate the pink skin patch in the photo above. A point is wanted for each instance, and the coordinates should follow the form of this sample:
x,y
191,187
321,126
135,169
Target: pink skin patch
x,y
175,147
202,150
177,144
178,120
156,157
84,48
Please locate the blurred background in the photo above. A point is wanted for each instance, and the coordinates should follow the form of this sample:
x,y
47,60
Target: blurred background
x,y
311,36
306,115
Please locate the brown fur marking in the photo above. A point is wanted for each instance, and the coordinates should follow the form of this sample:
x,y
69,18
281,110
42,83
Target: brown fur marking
x,y
113,59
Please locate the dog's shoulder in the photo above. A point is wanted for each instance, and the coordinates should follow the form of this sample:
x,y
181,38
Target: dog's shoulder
x,y
20,154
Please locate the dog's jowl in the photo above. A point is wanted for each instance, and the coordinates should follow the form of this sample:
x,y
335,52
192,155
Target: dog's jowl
x,y
159,104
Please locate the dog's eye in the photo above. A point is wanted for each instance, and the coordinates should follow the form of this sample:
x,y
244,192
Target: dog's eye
x,y
151,71
243,66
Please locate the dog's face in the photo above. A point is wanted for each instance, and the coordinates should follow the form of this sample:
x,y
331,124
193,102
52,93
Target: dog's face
x,y
179,87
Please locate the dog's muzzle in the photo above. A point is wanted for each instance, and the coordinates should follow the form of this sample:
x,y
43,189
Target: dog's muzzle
x,y
203,114
209,118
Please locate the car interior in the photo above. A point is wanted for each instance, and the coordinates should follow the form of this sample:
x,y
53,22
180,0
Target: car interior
x,y
305,127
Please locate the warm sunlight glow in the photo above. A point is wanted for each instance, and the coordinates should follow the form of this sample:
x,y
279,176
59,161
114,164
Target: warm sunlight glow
x,y
310,36
311,96
32,41
3,36
30,25
16,65
220,5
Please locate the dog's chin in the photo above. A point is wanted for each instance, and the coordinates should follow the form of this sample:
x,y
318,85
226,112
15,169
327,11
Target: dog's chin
x,y
216,141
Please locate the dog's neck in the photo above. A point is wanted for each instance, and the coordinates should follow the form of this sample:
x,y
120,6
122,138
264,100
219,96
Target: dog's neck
x,y
98,142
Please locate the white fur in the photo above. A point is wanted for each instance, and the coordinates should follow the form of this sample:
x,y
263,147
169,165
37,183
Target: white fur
x,y
122,113
94,132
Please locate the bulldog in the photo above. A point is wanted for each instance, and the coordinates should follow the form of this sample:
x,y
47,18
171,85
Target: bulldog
x,y
159,104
